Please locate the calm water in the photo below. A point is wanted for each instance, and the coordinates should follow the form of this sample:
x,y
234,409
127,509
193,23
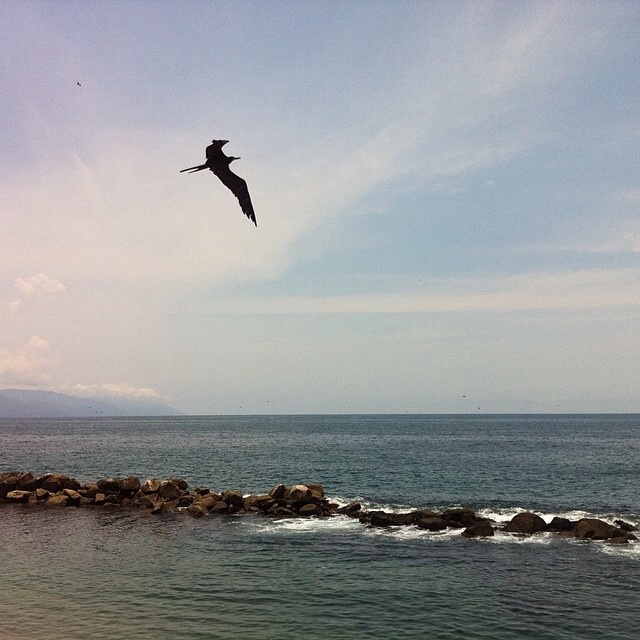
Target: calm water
x,y
83,574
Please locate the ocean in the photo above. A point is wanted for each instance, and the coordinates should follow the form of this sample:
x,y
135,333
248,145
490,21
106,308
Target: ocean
x,y
71,573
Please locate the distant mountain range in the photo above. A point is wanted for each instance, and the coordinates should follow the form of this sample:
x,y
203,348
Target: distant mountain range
x,y
19,403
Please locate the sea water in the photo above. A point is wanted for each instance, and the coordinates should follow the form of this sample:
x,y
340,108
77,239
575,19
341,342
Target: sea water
x,y
116,574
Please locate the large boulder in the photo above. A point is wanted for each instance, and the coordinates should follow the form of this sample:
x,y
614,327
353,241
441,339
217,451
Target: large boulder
x,y
58,500
297,494
233,498
386,519
180,483
560,525
27,482
129,486
482,528
278,491
526,523
310,509
169,490
55,482
73,495
9,482
109,485
151,486
197,510
352,509
18,495
258,503
459,517
431,523
595,529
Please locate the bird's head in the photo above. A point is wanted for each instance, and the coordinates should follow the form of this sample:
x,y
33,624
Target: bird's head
x,y
231,159
220,143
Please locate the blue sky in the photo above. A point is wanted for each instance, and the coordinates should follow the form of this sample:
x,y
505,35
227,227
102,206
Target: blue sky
x,y
447,196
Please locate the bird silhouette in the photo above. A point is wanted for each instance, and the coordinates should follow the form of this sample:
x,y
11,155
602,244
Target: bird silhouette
x,y
218,163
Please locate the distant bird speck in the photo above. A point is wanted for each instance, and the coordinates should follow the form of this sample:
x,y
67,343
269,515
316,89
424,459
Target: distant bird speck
x,y
78,84
218,163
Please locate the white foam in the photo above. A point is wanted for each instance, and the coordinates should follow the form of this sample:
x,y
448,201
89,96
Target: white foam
x,y
308,525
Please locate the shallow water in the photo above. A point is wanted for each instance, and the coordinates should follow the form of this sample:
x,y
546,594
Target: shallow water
x,y
72,573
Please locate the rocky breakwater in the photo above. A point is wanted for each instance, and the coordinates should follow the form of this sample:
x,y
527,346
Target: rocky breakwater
x,y
298,500
161,496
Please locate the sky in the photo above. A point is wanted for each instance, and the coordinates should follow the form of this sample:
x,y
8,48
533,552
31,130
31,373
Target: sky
x,y
447,196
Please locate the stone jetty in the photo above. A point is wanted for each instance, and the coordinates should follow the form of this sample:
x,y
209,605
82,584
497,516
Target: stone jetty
x,y
299,500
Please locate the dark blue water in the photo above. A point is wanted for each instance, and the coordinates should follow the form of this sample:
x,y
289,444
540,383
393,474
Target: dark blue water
x,y
72,573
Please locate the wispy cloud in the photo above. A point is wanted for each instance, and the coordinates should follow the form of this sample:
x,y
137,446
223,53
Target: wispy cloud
x,y
580,290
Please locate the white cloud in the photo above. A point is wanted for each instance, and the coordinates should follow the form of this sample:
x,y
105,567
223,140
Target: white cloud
x,y
113,390
38,285
35,287
28,365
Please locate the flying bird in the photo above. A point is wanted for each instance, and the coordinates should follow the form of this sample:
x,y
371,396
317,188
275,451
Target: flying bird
x,y
218,163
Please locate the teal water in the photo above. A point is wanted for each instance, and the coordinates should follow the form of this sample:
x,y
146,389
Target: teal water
x,y
72,573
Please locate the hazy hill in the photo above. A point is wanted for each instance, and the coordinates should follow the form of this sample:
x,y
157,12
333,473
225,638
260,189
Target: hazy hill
x,y
19,403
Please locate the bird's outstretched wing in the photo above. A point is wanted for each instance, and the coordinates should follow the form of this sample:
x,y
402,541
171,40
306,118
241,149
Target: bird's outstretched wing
x,y
239,189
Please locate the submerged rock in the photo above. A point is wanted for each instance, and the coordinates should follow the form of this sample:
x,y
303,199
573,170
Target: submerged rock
x,y
481,528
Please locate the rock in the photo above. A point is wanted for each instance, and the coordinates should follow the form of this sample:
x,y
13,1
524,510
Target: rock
x,y
74,496
54,482
278,492
459,517
109,485
42,494
129,485
58,500
297,494
526,523
90,490
219,507
18,495
385,519
558,524
233,498
481,528
158,508
169,490
180,483
352,509
258,503
595,529
431,523
197,510
8,482
27,482
100,499
623,539
144,500
625,526
309,509
150,486
206,500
